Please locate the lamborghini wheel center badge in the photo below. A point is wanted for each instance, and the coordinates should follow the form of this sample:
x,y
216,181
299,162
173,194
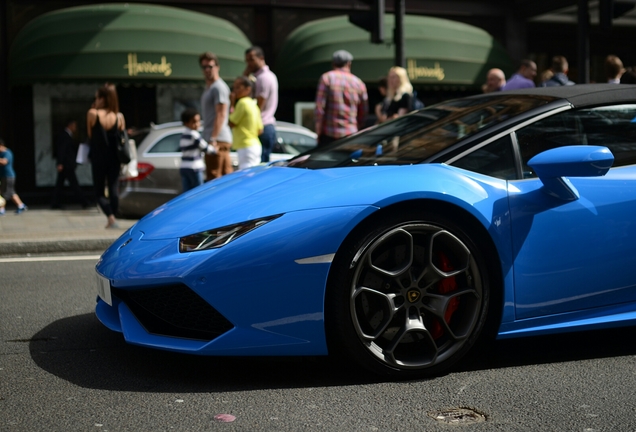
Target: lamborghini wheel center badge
x,y
413,295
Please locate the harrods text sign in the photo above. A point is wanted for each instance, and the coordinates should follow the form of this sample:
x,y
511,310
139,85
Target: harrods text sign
x,y
416,72
136,67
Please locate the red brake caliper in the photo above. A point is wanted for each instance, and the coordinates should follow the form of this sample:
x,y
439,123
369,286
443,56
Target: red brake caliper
x,y
445,286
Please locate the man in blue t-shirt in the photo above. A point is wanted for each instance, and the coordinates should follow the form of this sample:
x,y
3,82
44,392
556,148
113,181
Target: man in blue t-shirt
x,y
7,180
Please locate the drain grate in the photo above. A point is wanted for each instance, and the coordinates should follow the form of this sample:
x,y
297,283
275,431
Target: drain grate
x,y
458,415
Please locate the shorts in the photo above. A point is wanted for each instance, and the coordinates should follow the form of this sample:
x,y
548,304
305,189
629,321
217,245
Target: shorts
x,y
7,187
249,156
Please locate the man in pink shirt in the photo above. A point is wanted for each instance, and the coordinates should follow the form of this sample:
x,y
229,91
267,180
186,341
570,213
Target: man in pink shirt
x,y
341,101
266,94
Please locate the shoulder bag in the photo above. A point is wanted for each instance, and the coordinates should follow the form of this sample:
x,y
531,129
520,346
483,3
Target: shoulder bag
x,y
123,149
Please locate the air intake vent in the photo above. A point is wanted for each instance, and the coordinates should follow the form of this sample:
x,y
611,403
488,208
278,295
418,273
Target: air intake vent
x,y
176,311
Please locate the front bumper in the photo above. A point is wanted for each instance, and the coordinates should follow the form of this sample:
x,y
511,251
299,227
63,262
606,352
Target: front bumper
x,y
255,296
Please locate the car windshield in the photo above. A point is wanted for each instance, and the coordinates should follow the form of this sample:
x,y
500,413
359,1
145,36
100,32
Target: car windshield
x,y
417,136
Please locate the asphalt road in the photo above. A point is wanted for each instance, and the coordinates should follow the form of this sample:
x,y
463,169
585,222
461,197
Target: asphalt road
x,y
61,370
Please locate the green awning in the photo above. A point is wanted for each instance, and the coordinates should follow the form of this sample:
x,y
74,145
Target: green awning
x,y
124,42
438,52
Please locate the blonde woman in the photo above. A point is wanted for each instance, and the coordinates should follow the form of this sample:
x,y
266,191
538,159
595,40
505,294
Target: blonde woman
x,y
399,93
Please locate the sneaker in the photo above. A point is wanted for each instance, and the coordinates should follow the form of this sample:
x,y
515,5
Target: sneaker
x,y
2,213
21,209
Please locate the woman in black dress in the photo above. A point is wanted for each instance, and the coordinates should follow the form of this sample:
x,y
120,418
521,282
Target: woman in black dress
x,y
399,93
103,121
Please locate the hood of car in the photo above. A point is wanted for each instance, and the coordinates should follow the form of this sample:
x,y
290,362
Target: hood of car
x,y
268,191
250,194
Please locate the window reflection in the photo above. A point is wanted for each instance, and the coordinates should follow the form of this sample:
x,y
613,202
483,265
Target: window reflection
x,y
495,160
613,127
167,144
415,137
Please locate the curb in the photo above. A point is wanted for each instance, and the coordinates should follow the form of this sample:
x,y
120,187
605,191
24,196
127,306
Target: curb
x,y
54,246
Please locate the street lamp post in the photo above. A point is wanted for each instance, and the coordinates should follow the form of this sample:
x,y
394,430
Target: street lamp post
x,y
583,42
398,33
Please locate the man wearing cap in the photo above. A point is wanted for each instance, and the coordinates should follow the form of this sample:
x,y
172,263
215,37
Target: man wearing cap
x,y
341,101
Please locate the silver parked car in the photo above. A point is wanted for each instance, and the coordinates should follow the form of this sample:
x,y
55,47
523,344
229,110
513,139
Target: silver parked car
x,y
157,178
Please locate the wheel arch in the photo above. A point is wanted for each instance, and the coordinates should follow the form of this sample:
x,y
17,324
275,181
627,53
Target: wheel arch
x,y
461,218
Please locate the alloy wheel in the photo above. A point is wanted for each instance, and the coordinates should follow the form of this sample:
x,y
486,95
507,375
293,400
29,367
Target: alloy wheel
x,y
416,295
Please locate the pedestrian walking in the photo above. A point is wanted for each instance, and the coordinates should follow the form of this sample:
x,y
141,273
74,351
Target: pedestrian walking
x,y
7,180
399,94
266,94
65,155
246,124
341,101
613,69
495,80
191,145
523,78
215,111
103,123
559,68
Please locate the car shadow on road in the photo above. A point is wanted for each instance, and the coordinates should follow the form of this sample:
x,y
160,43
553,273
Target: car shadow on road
x,y
558,348
82,351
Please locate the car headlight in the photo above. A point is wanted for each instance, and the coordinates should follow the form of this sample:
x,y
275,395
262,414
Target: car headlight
x,y
217,237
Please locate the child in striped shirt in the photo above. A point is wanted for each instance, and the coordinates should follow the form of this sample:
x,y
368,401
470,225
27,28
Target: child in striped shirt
x,y
191,146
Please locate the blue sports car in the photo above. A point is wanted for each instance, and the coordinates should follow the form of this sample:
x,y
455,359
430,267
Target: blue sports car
x,y
402,247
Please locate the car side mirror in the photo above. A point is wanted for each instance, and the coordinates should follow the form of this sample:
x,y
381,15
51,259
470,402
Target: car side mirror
x,y
554,165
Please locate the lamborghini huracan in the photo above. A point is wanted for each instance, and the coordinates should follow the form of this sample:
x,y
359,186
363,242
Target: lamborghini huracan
x,y
400,248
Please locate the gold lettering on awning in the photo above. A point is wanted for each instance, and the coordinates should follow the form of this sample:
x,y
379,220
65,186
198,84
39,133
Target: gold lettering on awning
x,y
416,71
135,67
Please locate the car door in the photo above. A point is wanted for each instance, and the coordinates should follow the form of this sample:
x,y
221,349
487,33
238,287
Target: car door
x,y
165,156
577,254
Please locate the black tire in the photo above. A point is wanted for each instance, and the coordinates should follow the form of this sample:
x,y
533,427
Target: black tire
x,y
408,295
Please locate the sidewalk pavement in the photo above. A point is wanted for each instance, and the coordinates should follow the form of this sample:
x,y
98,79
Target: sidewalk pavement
x,y
44,231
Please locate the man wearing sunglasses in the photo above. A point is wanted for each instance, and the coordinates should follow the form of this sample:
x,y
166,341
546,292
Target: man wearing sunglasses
x,y
215,108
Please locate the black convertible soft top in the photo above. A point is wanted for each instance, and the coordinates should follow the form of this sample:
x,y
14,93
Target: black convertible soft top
x,y
582,95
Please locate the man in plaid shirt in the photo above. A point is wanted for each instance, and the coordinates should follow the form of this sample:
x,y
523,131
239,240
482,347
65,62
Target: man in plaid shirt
x,y
341,101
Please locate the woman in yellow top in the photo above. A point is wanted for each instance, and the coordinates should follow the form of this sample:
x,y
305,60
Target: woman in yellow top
x,y
246,124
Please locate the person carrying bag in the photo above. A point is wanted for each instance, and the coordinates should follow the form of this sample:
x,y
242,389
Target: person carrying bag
x,y
106,126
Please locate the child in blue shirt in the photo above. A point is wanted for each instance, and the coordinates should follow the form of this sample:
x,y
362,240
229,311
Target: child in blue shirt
x,y
7,180
191,146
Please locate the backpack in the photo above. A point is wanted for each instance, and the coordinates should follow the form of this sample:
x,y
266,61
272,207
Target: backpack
x,y
415,102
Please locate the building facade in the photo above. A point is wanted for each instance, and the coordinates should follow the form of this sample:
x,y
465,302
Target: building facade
x,y
48,73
